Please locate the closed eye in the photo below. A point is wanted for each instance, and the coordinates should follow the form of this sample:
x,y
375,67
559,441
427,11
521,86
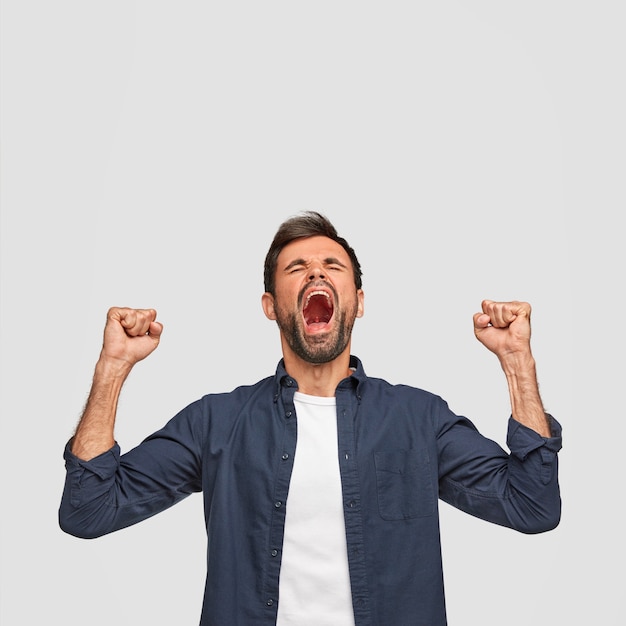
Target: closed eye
x,y
295,266
334,264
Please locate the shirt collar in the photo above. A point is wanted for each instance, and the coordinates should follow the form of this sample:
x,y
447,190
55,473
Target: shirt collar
x,y
357,378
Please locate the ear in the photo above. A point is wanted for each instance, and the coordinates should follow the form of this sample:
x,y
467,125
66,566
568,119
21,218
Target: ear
x,y
360,303
267,302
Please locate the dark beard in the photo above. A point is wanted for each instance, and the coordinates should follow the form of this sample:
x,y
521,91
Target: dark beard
x,y
317,348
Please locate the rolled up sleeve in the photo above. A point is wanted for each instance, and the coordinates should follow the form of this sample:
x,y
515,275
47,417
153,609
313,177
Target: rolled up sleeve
x,y
519,490
113,491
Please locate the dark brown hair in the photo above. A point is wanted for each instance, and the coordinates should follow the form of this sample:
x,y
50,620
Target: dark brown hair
x,y
306,224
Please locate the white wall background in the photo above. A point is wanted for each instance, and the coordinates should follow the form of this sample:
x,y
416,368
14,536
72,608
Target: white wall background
x,y
465,149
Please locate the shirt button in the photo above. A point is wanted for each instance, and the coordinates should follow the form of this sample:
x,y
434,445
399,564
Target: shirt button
x,y
274,552
270,602
289,382
285,456
278,504
288,414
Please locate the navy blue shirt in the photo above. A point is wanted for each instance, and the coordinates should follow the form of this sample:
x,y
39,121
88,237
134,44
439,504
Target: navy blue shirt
x,y
400,449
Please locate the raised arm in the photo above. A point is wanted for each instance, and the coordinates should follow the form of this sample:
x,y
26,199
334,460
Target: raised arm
x,y
130,335
504,328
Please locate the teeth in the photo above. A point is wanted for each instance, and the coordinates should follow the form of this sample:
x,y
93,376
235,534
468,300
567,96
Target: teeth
x,y
317,293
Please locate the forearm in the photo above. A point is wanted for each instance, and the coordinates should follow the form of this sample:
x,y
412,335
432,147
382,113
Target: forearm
x,y
526,405
95,432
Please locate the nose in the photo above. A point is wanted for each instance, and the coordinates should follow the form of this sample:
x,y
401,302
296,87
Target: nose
x,y
316,271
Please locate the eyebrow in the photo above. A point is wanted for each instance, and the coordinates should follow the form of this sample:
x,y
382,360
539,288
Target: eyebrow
x,y
327,261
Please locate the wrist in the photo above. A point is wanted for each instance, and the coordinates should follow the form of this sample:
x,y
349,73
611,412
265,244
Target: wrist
x,y
112,368
518,365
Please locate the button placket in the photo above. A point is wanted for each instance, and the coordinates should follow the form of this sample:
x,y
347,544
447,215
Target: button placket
x,y
285,454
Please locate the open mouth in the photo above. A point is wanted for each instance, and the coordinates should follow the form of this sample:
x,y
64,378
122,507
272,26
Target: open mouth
x,y
318,309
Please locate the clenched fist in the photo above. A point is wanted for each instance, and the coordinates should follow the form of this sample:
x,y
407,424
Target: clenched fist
x,y
130,335
504,327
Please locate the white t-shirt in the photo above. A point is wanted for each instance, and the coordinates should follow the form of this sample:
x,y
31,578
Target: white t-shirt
x,y
314,581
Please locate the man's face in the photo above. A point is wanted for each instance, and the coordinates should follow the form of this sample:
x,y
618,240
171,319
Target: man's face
x,y
316,300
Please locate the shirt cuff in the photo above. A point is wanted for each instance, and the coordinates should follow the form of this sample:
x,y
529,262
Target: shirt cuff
x,y
523,440
103,465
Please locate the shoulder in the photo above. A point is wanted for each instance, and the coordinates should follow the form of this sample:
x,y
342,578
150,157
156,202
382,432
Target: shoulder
x,y
399,393
242,393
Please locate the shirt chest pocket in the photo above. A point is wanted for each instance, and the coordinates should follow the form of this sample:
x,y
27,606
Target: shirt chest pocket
x,y
404,482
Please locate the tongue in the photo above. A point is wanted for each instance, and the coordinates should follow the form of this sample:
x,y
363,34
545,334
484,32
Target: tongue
x,y
317,311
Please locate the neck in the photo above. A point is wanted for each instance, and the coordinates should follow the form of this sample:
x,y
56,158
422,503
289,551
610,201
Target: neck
x,y
318,379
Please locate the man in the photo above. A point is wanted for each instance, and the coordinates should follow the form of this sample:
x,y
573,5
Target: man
x,y
320,484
